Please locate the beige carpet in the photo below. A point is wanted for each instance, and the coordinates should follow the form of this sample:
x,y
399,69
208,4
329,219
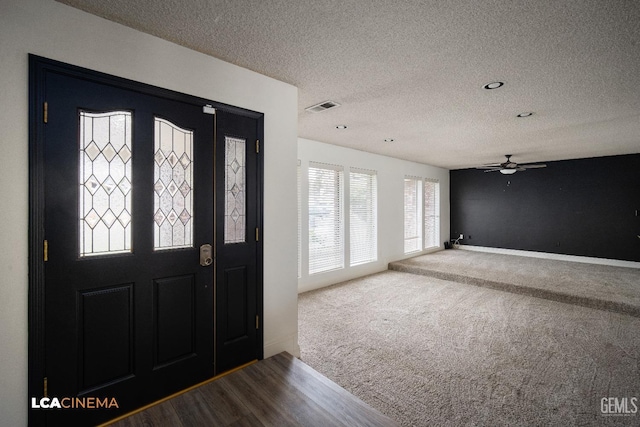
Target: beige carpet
x,y
596,286
429,352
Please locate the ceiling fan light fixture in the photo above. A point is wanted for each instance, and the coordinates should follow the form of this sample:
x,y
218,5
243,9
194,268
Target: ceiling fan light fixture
x,y
493,85
509,167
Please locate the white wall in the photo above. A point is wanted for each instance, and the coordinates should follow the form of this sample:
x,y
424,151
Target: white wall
x,y
391,173
56,31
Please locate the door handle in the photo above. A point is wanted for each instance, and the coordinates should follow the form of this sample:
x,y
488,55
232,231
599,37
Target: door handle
x,y
206,255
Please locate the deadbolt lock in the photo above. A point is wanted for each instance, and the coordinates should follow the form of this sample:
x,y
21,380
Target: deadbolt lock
x,y
206,255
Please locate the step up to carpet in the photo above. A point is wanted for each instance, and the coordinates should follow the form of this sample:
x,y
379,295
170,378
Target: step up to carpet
x,y
602,287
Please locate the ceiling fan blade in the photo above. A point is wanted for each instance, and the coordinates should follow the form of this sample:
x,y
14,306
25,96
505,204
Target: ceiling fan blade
x,y
489,167
536,166
493,170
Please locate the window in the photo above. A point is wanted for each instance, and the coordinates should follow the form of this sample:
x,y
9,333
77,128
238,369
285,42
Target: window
x,y
105,182
363,189
173,185
235,219
412,214
431,214
326,228
299,221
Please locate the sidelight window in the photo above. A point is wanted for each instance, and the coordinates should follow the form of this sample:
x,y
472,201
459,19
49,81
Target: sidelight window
x,y
235,190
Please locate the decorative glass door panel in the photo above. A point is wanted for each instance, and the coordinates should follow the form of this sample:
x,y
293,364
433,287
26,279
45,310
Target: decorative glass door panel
x,y
235,190
105,183
173,186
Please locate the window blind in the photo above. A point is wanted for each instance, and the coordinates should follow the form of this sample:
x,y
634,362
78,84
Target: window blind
x,y
431,213
412,214
363,230
326,227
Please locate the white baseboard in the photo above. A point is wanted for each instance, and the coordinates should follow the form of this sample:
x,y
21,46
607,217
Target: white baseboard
x,y
329,278
288,344
560,257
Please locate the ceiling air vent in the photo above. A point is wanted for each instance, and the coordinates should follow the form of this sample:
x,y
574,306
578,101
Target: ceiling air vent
x,y
326,105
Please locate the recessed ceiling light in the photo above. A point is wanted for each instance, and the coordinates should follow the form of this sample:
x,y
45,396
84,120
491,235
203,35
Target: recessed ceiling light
x,y
493,85
388,140
341,127
527,114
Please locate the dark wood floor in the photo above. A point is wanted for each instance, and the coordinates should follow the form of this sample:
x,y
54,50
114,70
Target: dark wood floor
x,y
279,391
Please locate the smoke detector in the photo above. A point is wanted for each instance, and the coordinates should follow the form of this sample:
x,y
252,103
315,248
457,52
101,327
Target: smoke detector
x,y
326,105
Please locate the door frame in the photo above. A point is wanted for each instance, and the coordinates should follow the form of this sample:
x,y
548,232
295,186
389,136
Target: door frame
x,y
39,67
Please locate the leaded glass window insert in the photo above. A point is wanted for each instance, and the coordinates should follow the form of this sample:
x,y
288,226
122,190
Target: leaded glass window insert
x,y
173,186
235,190
104,183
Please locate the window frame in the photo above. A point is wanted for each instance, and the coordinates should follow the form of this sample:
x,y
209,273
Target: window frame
x,y
370,231
299,193
413,243
335,251
431,234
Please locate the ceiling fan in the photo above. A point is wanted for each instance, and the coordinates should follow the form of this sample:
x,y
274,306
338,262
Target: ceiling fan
x,y
510,167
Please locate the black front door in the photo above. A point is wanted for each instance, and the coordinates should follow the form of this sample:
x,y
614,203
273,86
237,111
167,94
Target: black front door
x,y
237,240
123,305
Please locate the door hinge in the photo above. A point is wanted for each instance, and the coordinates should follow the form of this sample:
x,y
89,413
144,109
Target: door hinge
x,y
45,387
45,112
257,146
257,234
45,250
257,322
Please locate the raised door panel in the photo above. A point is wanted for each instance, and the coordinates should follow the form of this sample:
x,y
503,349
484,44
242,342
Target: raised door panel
x,y
106,336
175,320
235,294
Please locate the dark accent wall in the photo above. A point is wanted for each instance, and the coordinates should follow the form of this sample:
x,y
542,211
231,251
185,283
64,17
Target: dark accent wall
x,y
585,207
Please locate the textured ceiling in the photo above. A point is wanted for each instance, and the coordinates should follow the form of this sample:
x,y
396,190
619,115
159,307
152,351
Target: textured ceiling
x,y
414,70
